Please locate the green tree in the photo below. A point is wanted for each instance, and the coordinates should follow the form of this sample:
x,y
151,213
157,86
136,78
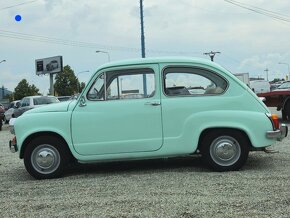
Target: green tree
x,y
24,89
66,83
82,86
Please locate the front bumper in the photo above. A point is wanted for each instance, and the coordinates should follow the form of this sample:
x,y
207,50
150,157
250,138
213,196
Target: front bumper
x,y
278,134
13,145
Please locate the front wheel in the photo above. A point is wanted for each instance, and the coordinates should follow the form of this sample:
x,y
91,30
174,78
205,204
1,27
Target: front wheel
x,y
45,157
225,150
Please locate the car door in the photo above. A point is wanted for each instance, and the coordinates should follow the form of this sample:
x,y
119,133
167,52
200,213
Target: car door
x,y
124,117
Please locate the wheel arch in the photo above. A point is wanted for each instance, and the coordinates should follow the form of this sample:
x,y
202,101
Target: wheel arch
x,y
285,102
208,130
39,134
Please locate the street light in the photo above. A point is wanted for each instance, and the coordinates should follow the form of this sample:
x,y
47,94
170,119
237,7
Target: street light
x,y
105,52
288,68
2,61
85,71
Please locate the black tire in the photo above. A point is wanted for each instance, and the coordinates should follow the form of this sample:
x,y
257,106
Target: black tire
x,y
46,157
225,150
6,121
286,110
284,115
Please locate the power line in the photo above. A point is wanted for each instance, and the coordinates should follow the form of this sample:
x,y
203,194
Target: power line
x,y
52,40
12,6
45,39
268,13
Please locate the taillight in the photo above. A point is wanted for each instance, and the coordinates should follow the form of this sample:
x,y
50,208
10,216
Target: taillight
x,y
275,121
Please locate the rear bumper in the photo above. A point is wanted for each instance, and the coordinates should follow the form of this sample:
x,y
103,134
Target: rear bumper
x,y
278,134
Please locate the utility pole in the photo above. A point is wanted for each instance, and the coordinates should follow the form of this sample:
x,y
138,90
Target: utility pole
x,y
142,30
267,70
211,54
143,46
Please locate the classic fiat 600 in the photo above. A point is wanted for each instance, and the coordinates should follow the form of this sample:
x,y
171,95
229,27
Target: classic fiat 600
x,y
145,109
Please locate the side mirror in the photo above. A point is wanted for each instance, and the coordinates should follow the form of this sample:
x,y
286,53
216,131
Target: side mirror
x,y
17,105
82,101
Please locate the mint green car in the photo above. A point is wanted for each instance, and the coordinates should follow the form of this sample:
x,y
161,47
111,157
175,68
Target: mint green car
x,y
146,109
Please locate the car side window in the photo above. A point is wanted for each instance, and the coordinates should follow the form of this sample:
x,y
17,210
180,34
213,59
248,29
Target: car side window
x,y
130,84
123,84
96,92
187,81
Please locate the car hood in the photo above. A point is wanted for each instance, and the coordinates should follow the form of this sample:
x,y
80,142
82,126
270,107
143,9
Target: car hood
x,y
55,107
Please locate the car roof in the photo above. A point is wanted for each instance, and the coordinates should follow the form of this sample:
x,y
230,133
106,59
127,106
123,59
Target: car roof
x,y
156,60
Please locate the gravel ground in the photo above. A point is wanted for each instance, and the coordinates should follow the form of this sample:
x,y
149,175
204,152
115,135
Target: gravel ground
x,y
158,188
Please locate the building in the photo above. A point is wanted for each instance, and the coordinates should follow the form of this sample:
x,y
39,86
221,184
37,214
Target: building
x,y
4,92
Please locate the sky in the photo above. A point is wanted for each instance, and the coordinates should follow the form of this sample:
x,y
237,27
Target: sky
x,y
248,42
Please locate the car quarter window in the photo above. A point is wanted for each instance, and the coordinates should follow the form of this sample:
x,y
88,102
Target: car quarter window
x,y
187,81
124,84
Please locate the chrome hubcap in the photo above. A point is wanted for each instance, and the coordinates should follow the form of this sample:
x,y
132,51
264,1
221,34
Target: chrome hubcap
x,y
225,150
45,159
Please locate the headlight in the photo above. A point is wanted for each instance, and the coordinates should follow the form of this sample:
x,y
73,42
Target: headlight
x,y
12,121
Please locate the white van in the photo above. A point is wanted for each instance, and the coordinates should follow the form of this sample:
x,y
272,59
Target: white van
x,y
260,86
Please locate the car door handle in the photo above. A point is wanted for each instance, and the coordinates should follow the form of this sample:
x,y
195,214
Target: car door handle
x,y
156,103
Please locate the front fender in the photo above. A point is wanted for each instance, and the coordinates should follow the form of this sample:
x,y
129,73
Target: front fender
x,y
32,123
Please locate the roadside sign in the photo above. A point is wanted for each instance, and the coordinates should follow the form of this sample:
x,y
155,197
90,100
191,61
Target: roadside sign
x,y
49,65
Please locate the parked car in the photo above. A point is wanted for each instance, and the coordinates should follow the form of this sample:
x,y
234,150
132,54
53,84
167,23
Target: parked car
x,y
223,121
30,102
2,111
10,112
260,86
52,65
276,85
12,104
283,87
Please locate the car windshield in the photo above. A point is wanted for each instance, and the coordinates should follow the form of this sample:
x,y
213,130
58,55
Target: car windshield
x,y
44,100
285,86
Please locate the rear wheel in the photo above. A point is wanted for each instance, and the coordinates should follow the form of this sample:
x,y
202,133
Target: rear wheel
x,y
225,150
45,157
286,110
284,114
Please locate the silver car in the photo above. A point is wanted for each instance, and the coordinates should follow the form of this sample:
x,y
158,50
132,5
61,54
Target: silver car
x,y
30,102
